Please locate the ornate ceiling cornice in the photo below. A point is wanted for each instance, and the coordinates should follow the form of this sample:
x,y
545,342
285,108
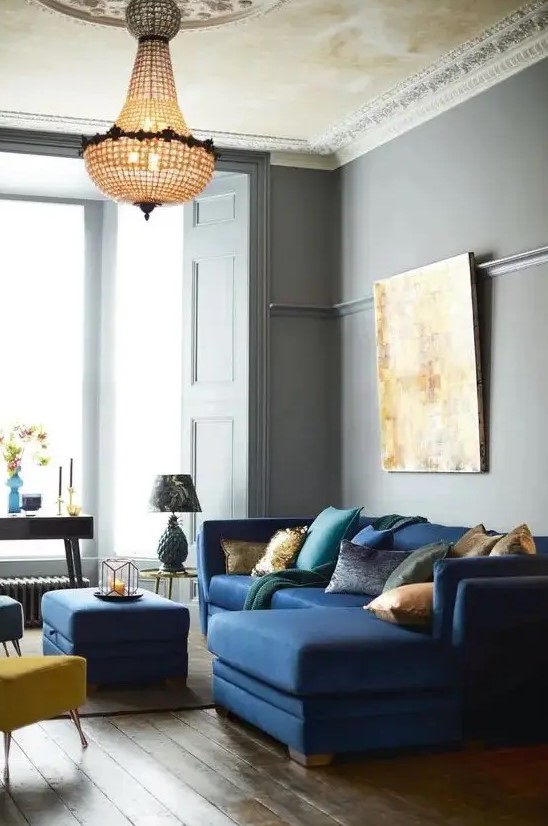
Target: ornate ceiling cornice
x,y
515,43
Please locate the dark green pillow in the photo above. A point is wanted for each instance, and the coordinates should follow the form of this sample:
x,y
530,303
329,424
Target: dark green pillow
x,y
418,567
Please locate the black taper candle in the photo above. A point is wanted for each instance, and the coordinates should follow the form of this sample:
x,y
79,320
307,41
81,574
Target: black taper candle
x,y
70,474
60,480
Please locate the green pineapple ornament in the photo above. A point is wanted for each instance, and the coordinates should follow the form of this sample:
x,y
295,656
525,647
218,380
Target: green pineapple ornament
x,y
173,547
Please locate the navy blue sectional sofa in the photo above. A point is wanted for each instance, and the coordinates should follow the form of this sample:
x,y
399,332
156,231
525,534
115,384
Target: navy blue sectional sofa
x,y
335,679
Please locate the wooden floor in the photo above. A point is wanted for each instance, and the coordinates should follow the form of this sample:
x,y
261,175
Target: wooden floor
x,y
195,769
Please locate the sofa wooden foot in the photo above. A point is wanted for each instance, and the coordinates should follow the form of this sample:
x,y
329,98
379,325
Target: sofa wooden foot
x,y
221,711
311,760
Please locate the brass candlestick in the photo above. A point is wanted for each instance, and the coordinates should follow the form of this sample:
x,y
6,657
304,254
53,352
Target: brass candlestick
x,y
72,509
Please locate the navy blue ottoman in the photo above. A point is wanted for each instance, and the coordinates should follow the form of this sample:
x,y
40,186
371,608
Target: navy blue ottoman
x,y
11,623
123,642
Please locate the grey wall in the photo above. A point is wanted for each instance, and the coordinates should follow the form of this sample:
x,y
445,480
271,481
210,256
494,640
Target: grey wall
x,y
303,406
474,179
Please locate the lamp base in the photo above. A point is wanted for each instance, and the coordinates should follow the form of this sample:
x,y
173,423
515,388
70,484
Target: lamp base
x,y
173,547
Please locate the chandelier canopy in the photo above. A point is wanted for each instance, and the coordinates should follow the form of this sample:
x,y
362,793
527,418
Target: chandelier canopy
x,y
149,157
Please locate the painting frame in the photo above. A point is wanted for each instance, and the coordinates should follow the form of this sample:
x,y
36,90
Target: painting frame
x,y
429,375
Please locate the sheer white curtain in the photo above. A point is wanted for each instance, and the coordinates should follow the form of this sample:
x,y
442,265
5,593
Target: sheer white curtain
x,y
42,341
148,319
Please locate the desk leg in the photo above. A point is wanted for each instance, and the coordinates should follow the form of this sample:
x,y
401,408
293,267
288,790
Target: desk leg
x,y
77,562
157,586
70,563
170,587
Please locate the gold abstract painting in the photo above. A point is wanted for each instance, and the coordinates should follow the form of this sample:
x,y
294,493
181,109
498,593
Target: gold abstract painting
x,y
428,365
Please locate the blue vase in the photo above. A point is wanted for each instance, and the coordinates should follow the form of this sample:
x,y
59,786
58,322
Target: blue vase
x,y
14,500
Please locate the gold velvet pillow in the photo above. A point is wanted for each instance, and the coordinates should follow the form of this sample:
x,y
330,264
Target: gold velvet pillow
x,y
406,605
241,556
518,541
475,542
281,551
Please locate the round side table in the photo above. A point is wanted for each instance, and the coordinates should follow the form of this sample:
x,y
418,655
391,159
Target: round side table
x,y
167,577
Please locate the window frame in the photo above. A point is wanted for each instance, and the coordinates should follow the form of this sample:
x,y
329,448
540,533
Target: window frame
x,y
96,306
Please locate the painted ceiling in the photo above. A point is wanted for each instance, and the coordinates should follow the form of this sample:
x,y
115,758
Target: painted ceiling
x,y
293,74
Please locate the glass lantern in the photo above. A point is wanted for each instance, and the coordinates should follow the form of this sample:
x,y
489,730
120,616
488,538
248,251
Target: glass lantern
x,y
119,578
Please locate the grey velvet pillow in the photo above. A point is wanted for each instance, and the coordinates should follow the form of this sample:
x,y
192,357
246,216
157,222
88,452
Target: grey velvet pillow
x,y
363,570
419,565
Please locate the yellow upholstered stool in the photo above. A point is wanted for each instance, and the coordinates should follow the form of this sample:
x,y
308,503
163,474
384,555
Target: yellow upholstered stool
x,y
38,688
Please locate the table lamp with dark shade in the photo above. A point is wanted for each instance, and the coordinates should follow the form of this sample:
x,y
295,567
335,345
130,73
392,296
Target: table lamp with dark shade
x,y
173,494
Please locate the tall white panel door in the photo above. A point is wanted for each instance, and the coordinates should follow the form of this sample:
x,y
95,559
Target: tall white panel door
x,y
216,348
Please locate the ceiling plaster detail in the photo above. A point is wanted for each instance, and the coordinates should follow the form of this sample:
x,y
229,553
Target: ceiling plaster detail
x,y
197,15
515,43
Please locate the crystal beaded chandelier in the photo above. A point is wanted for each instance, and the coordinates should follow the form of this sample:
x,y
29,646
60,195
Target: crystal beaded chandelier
x,y
149,157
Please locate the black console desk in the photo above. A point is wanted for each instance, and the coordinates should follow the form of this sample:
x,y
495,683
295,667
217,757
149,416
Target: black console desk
x,y
68,528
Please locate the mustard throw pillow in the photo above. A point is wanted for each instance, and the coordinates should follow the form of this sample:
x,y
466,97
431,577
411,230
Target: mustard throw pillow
x,y
475,542
241,556
406,605
518,541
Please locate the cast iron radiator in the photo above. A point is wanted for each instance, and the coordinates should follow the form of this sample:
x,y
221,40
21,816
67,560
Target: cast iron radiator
x,y
28,590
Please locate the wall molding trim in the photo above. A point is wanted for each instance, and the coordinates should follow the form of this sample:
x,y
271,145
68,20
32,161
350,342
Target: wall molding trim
x,y
514,263
512,44
491,269
300,311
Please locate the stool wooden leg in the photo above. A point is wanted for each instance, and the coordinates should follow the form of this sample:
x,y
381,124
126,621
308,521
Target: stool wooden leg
x,y
75,717
17,647
7,744
6,649
311,760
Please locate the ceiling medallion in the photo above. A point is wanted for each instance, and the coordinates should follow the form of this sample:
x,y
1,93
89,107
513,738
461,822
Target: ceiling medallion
x,y
149,157
195,14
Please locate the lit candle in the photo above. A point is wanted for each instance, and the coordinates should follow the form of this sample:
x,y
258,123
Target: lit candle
x,y
60,480
70,474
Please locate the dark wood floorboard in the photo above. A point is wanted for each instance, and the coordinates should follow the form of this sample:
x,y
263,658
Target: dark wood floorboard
x,y
195,769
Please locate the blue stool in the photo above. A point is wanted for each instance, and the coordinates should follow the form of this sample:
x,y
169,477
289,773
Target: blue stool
x,y
11,623
123,642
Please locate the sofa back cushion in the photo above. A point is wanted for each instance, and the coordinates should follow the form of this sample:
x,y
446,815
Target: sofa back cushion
x,y
425,533
542,544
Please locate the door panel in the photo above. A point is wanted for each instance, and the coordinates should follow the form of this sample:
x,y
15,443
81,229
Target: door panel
x,y
216,348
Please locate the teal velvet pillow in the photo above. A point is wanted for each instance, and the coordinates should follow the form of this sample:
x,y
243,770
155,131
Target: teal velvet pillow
x,y
324,537
418,567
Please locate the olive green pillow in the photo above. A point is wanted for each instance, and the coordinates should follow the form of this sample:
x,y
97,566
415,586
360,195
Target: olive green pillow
x,y
418,567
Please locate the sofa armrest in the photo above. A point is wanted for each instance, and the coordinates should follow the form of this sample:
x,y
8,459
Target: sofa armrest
x,y
499,639
488,606
210,555
450,572
499,632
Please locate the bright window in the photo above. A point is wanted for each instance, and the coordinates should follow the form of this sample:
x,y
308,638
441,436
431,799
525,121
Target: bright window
x,y
42,341
148,319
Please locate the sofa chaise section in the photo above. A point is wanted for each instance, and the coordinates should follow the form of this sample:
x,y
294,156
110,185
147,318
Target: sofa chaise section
x,y
327,682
